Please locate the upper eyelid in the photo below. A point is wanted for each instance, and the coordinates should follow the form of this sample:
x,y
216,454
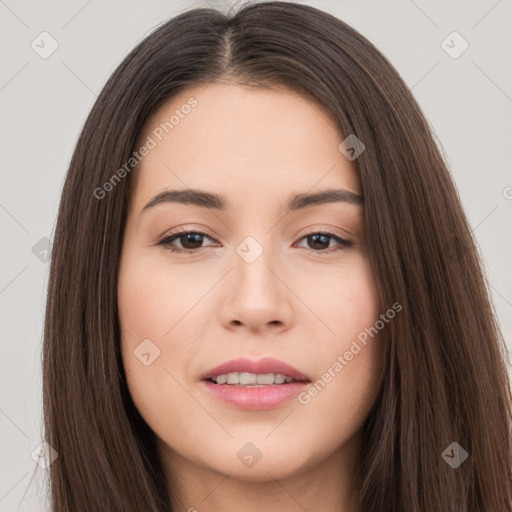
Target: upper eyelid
x,y
321,228
200,232
176,234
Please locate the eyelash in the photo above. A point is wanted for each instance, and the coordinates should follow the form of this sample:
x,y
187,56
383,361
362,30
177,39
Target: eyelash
x,y
166,241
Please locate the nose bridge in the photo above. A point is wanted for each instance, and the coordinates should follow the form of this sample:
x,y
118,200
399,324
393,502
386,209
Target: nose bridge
x,y
254,259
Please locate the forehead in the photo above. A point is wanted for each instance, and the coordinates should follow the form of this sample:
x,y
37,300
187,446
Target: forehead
x,y
238,140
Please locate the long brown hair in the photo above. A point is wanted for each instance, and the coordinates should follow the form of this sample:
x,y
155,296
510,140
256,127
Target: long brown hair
x,y
445,378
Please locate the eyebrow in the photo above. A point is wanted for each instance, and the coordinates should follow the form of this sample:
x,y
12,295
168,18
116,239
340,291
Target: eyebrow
x,y
204,199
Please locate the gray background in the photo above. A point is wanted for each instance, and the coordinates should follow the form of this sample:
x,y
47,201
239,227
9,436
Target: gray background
x,y
44,103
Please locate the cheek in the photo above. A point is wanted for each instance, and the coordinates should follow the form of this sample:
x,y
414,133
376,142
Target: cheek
x,y
361,343
345,301
349,360
144,304
155,344
147,296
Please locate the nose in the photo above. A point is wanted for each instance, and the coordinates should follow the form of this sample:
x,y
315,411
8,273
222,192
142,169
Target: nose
x,y
257,295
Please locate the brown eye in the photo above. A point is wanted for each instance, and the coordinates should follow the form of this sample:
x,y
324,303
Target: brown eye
x,y
190,241
319,242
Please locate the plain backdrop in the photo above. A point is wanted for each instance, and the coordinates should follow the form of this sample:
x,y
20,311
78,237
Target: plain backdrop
x,y
44,102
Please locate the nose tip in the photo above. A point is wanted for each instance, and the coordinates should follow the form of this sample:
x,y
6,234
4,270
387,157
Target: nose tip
x,y
257,297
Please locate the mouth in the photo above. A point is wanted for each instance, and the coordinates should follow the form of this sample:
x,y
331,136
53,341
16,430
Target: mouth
x,y
253,380
254,385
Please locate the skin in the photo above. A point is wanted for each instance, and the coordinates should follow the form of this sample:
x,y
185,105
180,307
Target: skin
x,y
256,147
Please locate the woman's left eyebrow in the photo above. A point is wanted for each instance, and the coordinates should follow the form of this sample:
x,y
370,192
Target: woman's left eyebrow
x,y
219,202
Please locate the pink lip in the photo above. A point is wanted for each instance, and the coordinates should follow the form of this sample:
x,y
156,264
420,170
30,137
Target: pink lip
x,y
256,398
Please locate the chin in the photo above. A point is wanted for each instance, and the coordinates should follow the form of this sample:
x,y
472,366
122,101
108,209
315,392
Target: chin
x,y
262,461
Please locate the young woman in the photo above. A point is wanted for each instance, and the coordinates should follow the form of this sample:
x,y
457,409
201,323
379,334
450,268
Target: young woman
x,y
264,294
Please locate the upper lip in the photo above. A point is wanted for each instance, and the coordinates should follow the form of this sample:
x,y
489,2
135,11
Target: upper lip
x,y
261,366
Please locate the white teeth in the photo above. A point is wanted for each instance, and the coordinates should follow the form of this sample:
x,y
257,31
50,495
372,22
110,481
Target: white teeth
x,y
267,378
247,378
280,378
233,378
222,379
251,379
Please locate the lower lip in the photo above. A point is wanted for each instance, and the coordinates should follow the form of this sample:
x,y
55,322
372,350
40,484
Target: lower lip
x,y
255,398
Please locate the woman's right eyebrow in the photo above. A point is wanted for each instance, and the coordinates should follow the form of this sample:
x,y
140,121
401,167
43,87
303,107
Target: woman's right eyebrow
x,y
189,196
219,202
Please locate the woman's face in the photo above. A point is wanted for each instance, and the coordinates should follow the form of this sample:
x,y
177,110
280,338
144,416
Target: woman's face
x,y
261,282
